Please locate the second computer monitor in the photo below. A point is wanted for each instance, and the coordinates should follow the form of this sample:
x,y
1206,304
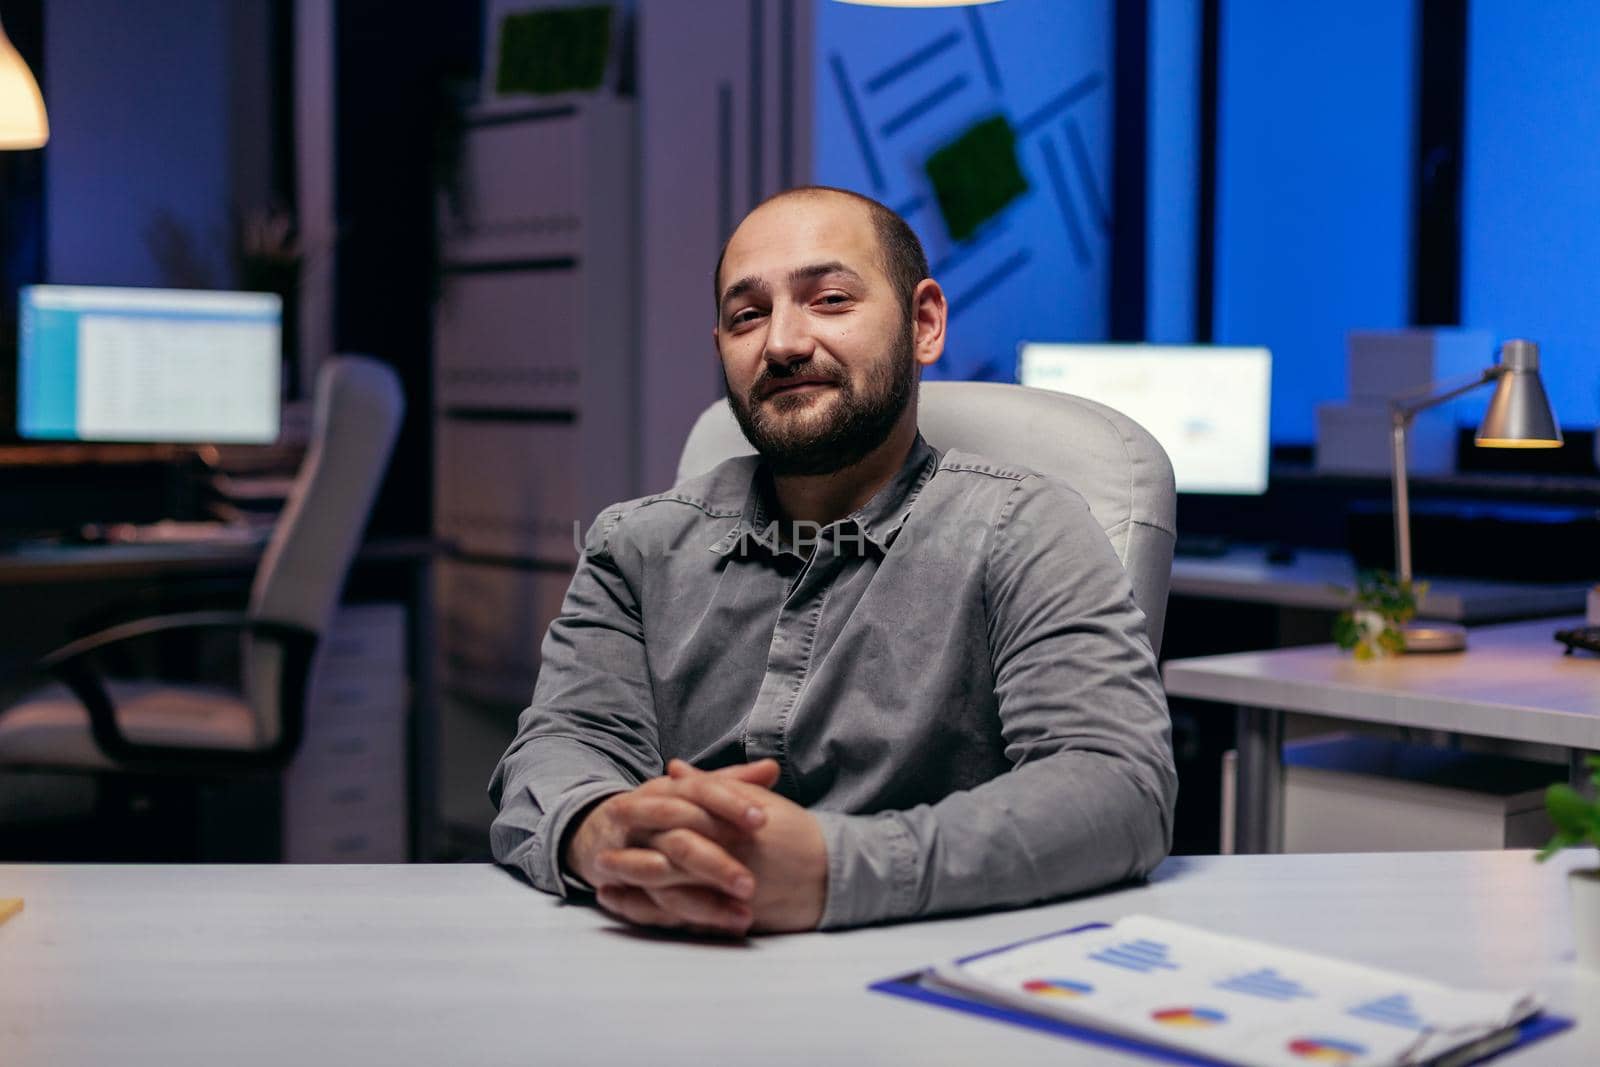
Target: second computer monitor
x,y
100,363
1207,405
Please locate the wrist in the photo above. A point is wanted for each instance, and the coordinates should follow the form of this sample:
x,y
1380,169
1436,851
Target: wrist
x,y
579,844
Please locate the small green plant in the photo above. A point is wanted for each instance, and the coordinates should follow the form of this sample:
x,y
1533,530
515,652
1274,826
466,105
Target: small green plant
x,y
1381,604
1576,816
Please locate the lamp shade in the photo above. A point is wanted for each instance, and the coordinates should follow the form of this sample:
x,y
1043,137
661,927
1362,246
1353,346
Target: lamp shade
x,y
22,119
1519,414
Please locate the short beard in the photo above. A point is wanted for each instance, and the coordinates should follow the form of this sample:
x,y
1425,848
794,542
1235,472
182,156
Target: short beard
x,y
860,423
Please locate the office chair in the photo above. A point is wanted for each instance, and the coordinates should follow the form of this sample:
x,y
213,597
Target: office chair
x,y
1107,457
86,723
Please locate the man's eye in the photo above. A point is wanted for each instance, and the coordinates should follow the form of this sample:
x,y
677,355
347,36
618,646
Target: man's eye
x,y
747,315
835,298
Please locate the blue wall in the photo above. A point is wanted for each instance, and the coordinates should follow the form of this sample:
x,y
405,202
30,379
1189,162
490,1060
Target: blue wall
x,y
139,127
894,85
1531,191
1314,202
1313,189
1172,162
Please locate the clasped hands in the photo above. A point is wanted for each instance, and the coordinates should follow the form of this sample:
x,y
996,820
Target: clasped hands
x,y
705,851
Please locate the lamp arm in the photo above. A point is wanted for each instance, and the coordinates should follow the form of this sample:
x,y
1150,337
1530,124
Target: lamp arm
x,y
1402,496
1402,410
1408,407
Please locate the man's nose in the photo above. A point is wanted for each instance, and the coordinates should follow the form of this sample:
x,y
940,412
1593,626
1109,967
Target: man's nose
x,y
788,338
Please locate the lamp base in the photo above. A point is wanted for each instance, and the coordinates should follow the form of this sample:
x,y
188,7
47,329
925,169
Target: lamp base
x,y
1434,637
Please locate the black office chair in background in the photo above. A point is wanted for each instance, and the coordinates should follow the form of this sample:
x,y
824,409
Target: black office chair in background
x,y
151,743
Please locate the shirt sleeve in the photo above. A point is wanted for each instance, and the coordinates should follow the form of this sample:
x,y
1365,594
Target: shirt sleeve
x,y
1089,797
590,730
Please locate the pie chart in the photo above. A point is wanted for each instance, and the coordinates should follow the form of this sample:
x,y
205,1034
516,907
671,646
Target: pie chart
x,y
1188,1017
1057,987
1326,1049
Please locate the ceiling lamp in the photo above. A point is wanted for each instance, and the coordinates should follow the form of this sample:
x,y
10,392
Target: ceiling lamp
x,y
22,119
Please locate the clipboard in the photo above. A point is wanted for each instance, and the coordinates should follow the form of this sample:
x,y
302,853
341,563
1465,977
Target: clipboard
x,y
920,986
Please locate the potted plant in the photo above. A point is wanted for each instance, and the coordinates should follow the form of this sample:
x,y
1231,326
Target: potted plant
x,y
1577,820
1381,604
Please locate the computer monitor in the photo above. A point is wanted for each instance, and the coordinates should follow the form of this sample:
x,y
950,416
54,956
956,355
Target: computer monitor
x,y
1208,405
168,366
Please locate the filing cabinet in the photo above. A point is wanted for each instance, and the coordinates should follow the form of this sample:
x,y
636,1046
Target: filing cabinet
x,y
537,400
344,798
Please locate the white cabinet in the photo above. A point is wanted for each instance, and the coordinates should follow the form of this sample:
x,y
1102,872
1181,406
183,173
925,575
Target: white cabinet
x,y
1360,793
536,394
491,621
510,490
509,340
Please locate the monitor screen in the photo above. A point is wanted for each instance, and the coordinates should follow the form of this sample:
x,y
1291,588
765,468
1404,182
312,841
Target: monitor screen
x,y
148,365
1207,405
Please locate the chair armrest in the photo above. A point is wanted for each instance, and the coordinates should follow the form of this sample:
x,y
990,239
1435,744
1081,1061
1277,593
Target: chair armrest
x,y
71,664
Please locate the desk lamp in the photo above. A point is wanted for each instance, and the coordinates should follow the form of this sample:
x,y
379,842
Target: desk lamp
x,y
22,118
1519,416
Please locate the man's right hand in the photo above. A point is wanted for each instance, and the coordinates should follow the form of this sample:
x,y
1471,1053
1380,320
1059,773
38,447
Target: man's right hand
x,y
671,838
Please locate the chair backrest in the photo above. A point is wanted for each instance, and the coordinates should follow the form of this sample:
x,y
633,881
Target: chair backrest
x,y
356,417
1107,457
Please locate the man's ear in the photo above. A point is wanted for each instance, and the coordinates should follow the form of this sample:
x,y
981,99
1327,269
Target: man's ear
x,y
929,315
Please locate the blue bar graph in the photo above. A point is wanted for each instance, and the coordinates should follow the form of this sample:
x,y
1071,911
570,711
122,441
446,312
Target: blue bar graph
x,y
1142,955
1266,983
1393,1010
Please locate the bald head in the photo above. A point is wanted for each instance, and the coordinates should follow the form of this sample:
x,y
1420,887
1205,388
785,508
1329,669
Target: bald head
x,y
900,254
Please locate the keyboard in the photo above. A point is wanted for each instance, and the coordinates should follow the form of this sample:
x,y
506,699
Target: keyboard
x,y
1584,637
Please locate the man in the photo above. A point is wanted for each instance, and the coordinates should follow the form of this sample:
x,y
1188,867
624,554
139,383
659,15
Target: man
x,y
849,680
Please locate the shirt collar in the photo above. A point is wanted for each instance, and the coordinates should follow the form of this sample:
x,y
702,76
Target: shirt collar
x,y
879,519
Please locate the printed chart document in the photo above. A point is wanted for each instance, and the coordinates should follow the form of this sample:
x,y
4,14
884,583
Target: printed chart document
x,y
1166,984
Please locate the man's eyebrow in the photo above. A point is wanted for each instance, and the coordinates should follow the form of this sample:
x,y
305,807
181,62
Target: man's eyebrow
x,y
822,270
748,284
752,284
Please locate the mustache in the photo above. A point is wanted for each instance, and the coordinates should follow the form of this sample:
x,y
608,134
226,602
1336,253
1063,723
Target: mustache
x,y
772,379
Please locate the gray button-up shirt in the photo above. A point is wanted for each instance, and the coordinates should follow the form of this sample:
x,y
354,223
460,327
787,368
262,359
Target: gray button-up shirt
x,y
955,681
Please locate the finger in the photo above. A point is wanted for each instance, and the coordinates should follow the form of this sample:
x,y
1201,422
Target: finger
x,y
650,868
635,906
643,867
697,906
645,814
705,862
720,797
762,772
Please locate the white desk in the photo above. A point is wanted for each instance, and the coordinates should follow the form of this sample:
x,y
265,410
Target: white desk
x,y
1245,574
465,965
1512,683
